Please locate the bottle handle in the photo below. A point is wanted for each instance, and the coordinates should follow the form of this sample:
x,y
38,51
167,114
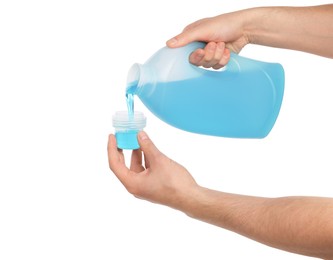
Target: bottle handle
x,y
233,64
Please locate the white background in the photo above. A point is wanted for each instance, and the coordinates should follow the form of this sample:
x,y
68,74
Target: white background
x,y
63,68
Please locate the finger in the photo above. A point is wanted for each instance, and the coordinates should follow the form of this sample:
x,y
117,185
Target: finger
x,y
224,59
208,59
197,56
190,34
116,159
183,39
136,161
220,46
147,146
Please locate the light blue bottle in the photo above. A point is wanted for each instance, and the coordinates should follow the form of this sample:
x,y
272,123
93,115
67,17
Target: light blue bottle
x,y
242,100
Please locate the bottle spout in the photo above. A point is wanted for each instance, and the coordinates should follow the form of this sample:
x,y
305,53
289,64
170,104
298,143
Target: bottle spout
x,y
133,79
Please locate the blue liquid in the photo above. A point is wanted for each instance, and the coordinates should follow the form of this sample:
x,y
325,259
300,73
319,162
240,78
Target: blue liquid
x,y
130,104
229,106
242,101
127,139
130,98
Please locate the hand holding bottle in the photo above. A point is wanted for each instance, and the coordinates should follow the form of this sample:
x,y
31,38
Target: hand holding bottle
x,y
281,27
223,33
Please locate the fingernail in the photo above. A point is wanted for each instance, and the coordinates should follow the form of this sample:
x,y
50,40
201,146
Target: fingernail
x,y
172,41
143,136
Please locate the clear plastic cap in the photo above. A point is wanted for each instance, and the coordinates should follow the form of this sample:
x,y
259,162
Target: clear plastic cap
x,y
122,120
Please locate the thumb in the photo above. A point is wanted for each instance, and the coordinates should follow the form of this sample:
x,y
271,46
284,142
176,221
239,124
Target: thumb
x,y
184,38
147,146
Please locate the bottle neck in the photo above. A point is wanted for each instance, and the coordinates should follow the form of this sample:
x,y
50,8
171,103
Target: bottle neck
x,y
138,76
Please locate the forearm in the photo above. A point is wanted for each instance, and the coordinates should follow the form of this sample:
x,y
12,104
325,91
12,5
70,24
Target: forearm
x,y
308,29
302,225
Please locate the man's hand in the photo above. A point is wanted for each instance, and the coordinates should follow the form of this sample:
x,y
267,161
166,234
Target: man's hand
x,y
159,179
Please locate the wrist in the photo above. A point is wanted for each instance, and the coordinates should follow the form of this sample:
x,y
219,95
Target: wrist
x,y
255,23
187,200
197,202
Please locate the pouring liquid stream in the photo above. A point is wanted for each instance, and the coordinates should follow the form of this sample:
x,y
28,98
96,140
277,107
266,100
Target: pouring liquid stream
x,y
130,105
130,99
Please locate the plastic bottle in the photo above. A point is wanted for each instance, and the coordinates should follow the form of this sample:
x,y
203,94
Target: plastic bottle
x,y
127,127
242,100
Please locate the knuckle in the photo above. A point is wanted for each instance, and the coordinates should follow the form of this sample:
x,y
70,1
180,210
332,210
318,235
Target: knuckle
x,y
207,59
